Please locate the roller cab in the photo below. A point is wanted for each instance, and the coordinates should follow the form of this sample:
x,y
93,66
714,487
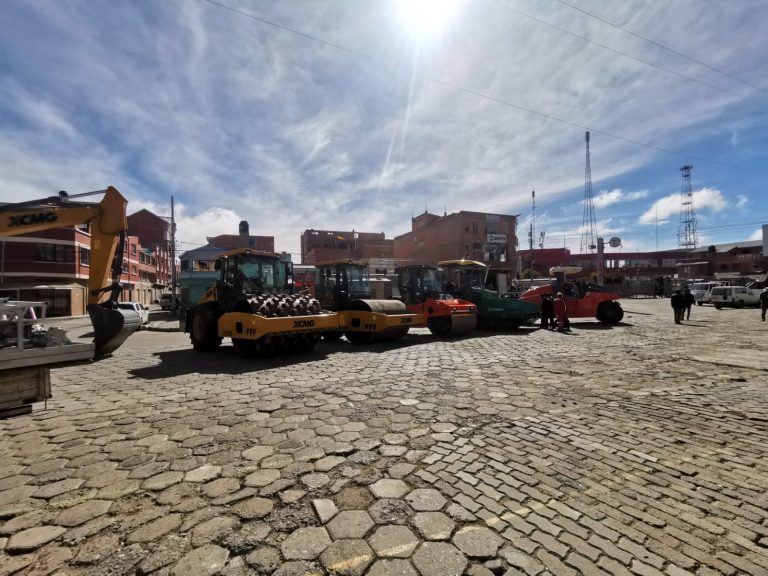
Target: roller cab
x,y
446,315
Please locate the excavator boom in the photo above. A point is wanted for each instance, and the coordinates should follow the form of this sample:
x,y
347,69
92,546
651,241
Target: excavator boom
x,y
108,225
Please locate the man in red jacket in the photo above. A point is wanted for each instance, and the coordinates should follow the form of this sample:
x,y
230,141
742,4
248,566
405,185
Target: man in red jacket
x,y
561,313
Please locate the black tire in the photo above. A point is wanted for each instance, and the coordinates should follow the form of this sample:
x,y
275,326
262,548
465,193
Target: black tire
x,y
440,326
203,328
718,306
332,336
610,312
740,304
700,303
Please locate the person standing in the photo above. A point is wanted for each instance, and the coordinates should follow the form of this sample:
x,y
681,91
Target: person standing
x,y
678,305
561,313
763,302
547,312
690,300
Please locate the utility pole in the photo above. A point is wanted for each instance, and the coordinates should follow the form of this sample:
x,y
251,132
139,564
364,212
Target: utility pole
x,y
533,229
600,260
173,257
687,236
589,222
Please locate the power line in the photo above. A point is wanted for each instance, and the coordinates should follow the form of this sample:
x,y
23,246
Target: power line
x,y
488,97
624,54
660,45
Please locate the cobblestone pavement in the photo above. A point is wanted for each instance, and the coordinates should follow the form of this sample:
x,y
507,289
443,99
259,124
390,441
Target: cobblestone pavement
x,y
637,449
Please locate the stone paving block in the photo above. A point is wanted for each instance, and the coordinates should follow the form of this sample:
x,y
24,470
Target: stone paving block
x,y
433,525
261,478
477,541
305,544
204,561
350,524
162,481
393,541
33,538
81,513
426,500
439,559
204,473
389,488
349,557
253,508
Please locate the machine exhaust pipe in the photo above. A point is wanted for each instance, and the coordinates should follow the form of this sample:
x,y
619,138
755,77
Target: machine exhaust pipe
x,y
111,327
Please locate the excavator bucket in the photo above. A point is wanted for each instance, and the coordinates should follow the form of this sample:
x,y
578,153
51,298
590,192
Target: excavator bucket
x,y
111,327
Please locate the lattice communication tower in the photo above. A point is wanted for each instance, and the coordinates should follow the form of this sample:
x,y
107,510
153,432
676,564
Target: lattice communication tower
x,y
687,236
589,224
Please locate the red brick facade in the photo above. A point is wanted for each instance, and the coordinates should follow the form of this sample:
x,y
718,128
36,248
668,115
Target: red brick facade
x,y
488,238
322,245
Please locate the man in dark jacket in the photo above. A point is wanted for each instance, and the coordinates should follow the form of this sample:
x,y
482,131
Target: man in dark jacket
x,y
678,305
763,302
690,300
547,312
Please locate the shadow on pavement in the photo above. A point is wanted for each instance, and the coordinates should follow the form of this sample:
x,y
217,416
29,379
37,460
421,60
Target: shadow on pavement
x,y
598,325
226,360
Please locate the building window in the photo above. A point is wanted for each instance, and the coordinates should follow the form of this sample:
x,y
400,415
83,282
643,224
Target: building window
x,y
54,253
133,269
133,249
475,227
85,257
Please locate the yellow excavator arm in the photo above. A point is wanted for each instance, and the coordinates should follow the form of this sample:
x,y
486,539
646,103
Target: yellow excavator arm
x,y
109,224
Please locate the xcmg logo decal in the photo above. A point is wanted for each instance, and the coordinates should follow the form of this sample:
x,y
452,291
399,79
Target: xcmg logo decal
x,y
29,219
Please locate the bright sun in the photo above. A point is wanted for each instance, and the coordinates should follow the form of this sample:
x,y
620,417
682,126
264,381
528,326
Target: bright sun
x,y
426,17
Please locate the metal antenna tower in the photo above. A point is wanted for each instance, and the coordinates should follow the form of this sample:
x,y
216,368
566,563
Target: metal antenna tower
x,y
687,236
589,224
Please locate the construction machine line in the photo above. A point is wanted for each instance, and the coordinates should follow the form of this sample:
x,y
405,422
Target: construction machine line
x,y
447,316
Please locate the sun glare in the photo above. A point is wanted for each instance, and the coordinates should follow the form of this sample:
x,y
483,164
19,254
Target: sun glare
x,y
426,17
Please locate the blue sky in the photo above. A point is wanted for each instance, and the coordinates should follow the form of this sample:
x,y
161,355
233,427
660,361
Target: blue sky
x,y
359,114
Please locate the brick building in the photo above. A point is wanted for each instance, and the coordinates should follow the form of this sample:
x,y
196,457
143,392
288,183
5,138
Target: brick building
x,y
321,245
154,234
488,238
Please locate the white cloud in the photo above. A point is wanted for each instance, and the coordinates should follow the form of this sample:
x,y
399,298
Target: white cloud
x,y
606,198
757,234
741,201
664,208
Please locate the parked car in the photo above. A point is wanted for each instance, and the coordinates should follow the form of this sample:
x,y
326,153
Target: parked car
x,y
169,302
137,307
736,296
701,290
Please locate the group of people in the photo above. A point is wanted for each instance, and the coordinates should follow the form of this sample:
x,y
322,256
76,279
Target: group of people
x,y
682,301
554,313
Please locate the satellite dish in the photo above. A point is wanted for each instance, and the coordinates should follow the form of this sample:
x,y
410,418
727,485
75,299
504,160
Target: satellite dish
x,y
614,242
